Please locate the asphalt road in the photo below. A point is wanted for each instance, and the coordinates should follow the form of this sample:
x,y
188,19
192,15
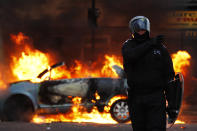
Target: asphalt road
x,y
17,126
188,116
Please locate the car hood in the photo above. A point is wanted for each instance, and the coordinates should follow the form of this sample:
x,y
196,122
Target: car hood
x,y
20,82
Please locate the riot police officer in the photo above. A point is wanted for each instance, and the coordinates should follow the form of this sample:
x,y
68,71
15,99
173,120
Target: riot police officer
x,y
148,67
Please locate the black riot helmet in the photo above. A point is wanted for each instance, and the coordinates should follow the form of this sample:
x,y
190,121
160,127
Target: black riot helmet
x,y
137,24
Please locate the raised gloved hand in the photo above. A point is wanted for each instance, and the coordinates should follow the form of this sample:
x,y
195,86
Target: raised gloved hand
x,y
158,40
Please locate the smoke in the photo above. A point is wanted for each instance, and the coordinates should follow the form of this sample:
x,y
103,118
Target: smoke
x,y
42,20
123,11
32,10
62,26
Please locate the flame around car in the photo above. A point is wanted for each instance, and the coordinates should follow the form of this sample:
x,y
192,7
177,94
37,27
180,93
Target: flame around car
x,y
28,62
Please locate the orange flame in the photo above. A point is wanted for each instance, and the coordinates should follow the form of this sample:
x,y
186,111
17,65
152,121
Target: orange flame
x,y
19,39
107,68
29,62
79,114
76,116
3,85
181,60
179,122
28,65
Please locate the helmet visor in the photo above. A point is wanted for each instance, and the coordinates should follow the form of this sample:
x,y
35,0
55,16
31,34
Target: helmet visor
x,y
139,24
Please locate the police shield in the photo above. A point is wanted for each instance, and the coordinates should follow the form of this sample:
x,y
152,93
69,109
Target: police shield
x,y
174,95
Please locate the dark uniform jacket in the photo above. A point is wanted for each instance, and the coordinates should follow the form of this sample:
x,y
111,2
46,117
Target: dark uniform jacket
x,y
146,65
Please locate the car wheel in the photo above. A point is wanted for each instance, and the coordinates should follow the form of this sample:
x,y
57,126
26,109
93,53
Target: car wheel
x,y
119,111
18,109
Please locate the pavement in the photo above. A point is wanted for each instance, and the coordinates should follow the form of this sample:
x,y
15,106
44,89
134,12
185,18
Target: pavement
x,y
59,126
188,115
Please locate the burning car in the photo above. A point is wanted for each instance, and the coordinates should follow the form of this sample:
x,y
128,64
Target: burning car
x,y
61,91
25,98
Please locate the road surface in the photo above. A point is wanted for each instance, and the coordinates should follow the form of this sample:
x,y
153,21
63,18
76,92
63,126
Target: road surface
x,y
19,126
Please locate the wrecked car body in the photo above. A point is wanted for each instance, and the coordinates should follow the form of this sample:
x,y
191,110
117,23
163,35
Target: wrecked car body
x,y
55,96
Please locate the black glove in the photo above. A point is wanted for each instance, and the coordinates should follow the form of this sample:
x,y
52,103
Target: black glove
x,y
172,113
158,40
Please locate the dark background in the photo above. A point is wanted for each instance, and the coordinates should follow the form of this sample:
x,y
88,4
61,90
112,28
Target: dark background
x,y
62,25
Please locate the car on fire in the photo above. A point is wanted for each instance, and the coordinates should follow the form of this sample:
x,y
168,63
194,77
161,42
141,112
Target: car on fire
x,y
22,99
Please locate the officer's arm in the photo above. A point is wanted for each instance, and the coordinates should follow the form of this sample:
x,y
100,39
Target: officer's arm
x,y
169,70
132,52
169,75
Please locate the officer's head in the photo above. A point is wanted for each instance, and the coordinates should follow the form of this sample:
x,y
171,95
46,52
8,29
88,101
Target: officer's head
x,y
140,27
